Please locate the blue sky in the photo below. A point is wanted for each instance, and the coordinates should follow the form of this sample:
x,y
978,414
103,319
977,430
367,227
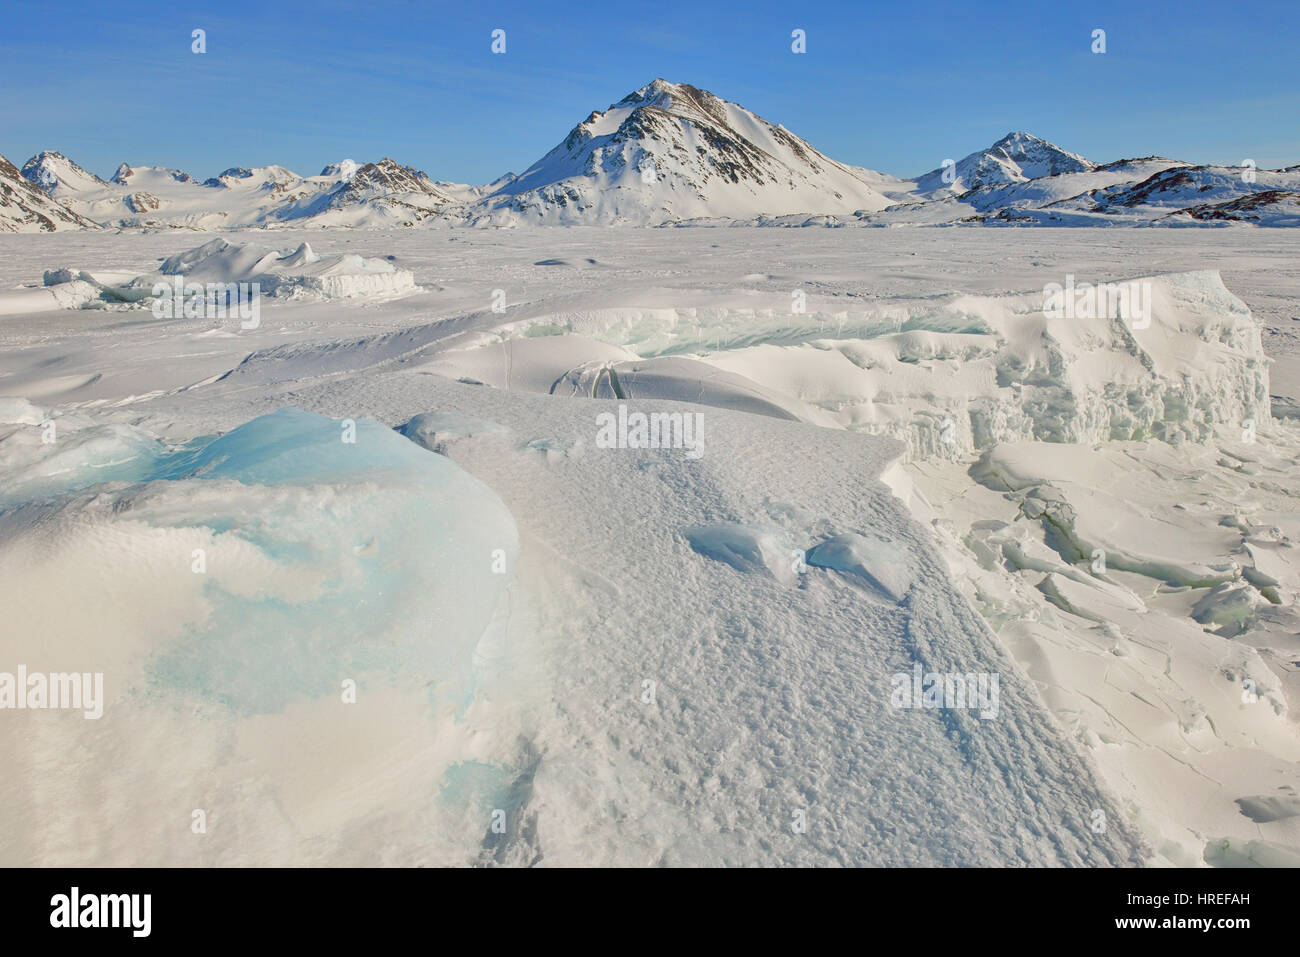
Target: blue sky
x,y
895,87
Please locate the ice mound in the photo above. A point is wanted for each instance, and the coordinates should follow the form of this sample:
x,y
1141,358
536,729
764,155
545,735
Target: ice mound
x,y
1230,608
294,274
291,273
1266,808
745,548
34,469
880,564
234,591
1231,853
62,289
297,587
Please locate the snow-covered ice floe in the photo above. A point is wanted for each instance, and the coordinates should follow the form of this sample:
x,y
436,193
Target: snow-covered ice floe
x,y
947,377
293,273
195,275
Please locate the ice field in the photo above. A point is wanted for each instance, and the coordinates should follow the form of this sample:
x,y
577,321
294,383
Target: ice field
x,y
581,546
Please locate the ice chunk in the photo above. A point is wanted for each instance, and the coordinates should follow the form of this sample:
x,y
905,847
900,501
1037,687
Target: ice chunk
x,y
882,565
435,430
1230,607
745,548
1238,853
289,273
1264,809
17,411
296,551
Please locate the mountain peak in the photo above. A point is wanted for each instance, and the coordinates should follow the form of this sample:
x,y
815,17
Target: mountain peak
x,y
672,151
1016,158
51,171
26,207
125,173
342,170
1017,137
656,89
1021,146
387,177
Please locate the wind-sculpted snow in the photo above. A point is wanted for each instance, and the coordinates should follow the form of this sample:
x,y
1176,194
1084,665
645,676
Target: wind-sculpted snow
x,y
1172,573
770,679
744,548
874,560
325,561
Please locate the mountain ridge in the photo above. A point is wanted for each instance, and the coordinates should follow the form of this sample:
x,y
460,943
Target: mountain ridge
x,y
671,154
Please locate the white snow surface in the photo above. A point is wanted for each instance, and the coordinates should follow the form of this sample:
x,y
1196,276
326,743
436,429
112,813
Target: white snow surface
x,y
638,656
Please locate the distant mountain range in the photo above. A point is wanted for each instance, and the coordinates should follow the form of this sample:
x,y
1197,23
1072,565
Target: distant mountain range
x,y
668,154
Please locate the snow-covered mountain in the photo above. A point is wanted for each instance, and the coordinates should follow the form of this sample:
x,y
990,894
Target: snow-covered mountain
x,y
59,176
1016,158
383,193
26,209
671,152
343,194
1204,188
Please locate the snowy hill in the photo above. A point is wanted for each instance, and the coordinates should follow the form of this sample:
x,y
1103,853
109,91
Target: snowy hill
x,y
25,209
671,152
1269,207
